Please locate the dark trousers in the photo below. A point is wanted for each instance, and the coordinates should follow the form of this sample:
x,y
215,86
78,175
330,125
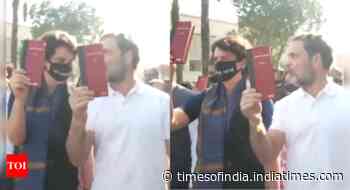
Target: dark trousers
x,y
180,157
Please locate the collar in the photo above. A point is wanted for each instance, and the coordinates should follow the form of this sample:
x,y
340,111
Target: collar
x,y
136,89
330,89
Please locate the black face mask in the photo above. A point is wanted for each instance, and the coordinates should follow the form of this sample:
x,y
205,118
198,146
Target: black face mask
x,y
60,71
224,70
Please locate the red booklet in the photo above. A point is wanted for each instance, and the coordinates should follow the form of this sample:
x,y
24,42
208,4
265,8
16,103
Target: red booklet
x,y
202,83
261,71
181,41
33,59
93,73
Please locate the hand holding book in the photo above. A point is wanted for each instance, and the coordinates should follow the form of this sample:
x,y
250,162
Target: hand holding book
x,y
93,72
260,71
33,60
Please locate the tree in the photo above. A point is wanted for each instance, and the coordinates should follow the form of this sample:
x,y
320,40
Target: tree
x,y
175,16
272,22
205,36
79,19
14,33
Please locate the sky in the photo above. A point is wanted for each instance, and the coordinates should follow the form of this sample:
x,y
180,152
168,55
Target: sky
x,y
336,30
148,22
145,24
148,26
218,10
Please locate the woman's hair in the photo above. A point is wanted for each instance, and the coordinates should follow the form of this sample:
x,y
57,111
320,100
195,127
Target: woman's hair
x,y
55,39
234,44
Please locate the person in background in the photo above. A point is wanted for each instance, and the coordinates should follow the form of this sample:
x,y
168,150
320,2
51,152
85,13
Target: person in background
x,y
187,85
150,74
286,86
4,183
3,89
337,75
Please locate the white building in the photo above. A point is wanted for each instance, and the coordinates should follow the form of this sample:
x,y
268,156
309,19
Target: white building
x,y
23,33
6,28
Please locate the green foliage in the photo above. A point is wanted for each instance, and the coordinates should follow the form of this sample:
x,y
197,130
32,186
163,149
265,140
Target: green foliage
x,y
272,22
78,19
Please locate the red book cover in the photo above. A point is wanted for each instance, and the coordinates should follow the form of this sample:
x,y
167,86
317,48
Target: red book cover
x,y
33,59
261,71
181,42
202,83
93,70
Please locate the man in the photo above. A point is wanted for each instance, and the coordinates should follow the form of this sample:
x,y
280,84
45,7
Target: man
x,y
3,89
223,142
341,62
284,87
5,146
128,129
312,121
150,74
337,74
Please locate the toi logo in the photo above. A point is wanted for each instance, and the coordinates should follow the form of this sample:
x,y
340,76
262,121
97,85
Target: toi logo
x,y
17,165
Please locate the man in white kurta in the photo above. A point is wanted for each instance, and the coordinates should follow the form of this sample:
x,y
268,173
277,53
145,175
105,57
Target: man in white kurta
x,y
130,134
313,122
316,136
128,130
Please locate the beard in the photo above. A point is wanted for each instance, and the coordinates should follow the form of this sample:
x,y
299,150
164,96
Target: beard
x,y
308,76
116,72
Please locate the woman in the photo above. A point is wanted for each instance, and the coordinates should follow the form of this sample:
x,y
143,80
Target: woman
x,y
40,118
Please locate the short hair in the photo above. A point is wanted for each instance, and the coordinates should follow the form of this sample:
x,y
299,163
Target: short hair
x,y
150,74
234,44
314,44
55,39
125,45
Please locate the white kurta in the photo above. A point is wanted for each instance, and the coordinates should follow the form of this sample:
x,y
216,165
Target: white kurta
x,y
317,132
130,134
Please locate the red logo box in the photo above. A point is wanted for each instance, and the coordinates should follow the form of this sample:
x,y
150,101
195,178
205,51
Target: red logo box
x,y
17,165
